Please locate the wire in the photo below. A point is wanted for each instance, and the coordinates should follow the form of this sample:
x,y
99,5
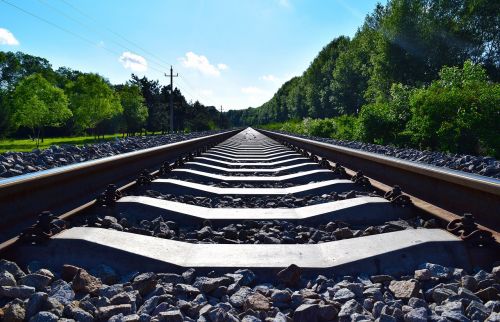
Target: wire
x,y
88,41
199,94
112,31
97,31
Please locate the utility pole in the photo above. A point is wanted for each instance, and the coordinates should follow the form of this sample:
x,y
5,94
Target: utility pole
x,y
172,97
221,121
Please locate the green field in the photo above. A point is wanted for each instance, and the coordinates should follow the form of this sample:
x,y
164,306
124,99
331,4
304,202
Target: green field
x,y
23,145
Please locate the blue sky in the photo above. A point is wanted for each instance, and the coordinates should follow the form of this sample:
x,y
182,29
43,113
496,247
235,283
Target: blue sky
x,y
234,53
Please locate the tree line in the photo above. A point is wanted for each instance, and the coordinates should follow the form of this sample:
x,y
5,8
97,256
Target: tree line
x,y
37,100
420,73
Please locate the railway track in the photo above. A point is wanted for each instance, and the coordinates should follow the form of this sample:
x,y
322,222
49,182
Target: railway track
x,y
250,225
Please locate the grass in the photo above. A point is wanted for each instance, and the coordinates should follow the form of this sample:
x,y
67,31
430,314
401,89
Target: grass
x,y
24,145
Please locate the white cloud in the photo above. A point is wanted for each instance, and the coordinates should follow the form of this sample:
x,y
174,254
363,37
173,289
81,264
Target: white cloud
x,y
7,38
133,62
222,66
252,90
270,78
201,64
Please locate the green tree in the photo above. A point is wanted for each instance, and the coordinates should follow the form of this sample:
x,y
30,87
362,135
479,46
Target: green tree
x,y
135,112
92,100
38,104
459,112
376,123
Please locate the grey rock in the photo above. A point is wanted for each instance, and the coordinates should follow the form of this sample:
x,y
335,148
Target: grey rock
x,y
257,302
110,291
170,278
239,297
493,306
14,311
247,277
438,270
12,268
455,316
416,315
440,294
189,275
494,317
250,318
477,311
374,293
207,284
423,274
327,312
17,291
7,279
282,296
404,289
106,312
350,307
105,273
467,295
415,302
38,281
44,316
488,294
455,306
62,291
386,318
280,317
81,315
144,283
290,276
469,282
368,304
377,308
343,295
36,303
186,289
306,313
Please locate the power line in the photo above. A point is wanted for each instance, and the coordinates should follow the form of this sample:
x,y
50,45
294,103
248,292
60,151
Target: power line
x,y
90,42
112,31
199,94
56,26
95,30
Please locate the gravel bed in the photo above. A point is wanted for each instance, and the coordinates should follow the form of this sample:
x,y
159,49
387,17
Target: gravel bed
x,y
17,163
251,231
69,293
483,165
285,201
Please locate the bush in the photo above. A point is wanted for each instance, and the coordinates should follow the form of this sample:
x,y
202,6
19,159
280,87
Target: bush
x,y
376,123
460,112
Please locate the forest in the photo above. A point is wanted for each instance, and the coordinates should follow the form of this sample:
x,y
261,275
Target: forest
x,y
419,73
37,101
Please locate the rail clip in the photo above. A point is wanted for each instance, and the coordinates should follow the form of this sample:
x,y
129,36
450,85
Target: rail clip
x,y
397,197
467,230
46,226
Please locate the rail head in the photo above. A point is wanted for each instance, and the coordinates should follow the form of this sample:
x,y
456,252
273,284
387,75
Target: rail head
x,y
67,169
452,190
63,189
478,182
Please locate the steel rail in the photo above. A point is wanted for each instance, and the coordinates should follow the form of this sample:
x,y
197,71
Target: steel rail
x,y
454,191
63,189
